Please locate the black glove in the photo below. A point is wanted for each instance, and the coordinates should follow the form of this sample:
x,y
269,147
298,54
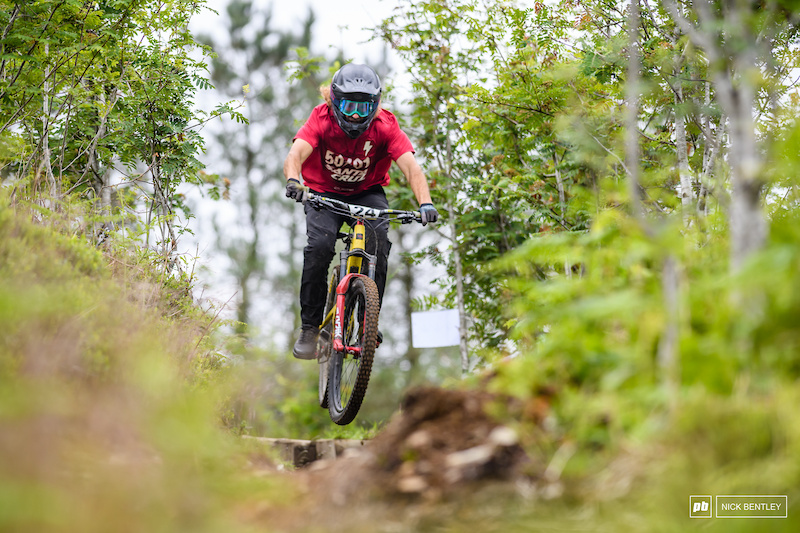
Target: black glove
x,y
296,190
428,213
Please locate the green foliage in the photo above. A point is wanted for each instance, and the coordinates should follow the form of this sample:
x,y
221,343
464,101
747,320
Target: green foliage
x,y
633,328
594,336
466,182
88,90
717,445
110,396
525,133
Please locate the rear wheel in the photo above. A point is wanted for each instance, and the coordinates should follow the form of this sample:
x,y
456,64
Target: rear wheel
x,y
324,346
325,342
349,371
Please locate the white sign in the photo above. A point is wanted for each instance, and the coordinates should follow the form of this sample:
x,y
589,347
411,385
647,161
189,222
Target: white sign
x,y
432,329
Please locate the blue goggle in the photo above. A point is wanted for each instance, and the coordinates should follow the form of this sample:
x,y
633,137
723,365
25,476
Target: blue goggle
x,y
351,108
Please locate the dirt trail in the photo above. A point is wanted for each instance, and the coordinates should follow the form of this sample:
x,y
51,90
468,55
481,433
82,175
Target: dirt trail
x,y
440,440
442,446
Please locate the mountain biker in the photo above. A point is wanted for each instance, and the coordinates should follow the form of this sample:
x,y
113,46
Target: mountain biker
x,y
344,151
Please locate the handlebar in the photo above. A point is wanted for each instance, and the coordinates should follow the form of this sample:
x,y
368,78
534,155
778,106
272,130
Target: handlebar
x,y
359,211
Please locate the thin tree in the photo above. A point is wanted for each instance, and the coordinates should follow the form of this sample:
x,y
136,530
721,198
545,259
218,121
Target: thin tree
x,y
255,56
738,40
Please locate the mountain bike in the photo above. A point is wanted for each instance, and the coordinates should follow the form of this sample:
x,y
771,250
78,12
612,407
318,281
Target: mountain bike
x,y
348,335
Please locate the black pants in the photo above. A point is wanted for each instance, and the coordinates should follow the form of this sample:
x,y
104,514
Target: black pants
x,y
321,229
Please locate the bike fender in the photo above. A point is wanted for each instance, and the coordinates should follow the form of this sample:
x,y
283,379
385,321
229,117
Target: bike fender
x,y
344,284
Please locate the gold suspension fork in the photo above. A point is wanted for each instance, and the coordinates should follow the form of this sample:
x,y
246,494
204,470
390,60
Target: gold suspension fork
x,y
358,242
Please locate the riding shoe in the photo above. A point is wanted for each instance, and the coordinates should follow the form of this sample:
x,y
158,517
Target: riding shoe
x,y
306,345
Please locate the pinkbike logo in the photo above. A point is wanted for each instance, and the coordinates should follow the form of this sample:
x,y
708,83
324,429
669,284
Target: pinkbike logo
x,y
337,326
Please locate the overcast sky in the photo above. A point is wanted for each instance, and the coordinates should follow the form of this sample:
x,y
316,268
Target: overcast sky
x,y
339,24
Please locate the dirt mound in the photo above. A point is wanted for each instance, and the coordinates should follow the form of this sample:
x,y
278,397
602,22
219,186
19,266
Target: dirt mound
x,y
440,440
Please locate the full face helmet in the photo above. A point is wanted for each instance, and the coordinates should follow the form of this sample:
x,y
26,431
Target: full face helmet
x,y
355,95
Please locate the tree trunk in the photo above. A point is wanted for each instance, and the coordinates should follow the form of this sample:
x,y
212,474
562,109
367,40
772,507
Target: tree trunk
x,y
46,155
250,270
459,269
747,222
734,63
682,149
710,150
100,177
406,278
295,272
462,311
632,110
562,202
668,346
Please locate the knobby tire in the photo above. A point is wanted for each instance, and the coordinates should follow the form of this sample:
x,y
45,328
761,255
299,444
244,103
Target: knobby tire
x,y
348,376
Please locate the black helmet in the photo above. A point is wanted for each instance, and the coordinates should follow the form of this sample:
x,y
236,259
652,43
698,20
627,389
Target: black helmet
x,y
355,95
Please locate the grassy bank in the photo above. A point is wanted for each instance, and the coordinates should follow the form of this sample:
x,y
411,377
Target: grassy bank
x,y
111,395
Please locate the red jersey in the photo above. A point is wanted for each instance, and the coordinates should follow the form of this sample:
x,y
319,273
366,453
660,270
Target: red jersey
x,y
348,166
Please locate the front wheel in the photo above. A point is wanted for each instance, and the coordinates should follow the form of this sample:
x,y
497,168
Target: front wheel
x,y
349,371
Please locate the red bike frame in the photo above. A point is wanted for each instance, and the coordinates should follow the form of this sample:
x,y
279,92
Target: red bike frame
x,y
338,327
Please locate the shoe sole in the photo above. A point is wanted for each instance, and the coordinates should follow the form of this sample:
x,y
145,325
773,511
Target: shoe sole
x,y
304,357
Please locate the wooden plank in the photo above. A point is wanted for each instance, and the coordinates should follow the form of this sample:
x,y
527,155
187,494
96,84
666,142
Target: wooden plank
x,y
300,453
